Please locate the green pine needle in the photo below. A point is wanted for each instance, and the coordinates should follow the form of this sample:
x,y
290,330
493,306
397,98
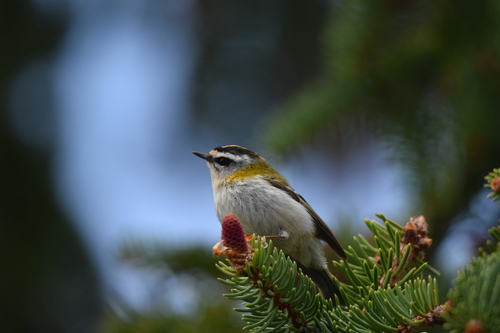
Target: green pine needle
x,y
476,296
384,289
495,196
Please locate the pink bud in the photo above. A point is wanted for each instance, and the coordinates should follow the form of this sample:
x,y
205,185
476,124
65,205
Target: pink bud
x,y
233,235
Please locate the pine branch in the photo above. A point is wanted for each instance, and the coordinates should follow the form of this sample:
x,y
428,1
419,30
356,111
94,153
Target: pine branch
x,y
433,318
474,304
385,289
386,292
475,300
493,179
275,295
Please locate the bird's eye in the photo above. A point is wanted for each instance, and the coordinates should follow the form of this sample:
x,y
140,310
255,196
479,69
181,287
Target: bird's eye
x,y
223,161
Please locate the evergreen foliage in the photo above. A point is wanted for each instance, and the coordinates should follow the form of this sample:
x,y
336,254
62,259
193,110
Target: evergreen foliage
x,y
474,304
419,78
493,179
385,288
475,300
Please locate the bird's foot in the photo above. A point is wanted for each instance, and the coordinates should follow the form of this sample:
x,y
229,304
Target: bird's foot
x,y
282,234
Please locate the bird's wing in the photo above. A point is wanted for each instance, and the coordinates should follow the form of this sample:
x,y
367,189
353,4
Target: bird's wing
x,y
323,232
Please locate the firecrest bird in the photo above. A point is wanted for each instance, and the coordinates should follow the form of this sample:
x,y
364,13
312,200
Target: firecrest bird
x,y
264,202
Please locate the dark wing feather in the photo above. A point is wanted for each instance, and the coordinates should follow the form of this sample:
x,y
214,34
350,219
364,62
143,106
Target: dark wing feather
x,y
323,232
324,281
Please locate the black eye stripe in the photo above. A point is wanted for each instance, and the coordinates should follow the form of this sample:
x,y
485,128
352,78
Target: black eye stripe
x,y
223,161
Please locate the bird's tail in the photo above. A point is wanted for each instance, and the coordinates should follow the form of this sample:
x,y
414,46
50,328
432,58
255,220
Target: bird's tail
x,y
324,282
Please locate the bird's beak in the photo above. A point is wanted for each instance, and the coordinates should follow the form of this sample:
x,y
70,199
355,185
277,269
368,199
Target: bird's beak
x,y
203,156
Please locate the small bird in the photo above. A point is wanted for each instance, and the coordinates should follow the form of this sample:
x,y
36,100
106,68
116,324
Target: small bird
x,y
264,202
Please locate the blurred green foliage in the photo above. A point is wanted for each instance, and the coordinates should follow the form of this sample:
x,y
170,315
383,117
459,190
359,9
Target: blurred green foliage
x,y
216,318
493,179
422,78
475,299
192,267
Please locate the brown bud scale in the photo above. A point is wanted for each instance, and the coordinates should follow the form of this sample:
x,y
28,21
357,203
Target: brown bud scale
x,y
495,185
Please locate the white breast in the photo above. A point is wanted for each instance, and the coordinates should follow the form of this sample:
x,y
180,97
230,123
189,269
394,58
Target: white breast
x,y
266,210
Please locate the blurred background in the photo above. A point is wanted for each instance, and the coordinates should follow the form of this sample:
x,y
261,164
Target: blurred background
x,y
107,219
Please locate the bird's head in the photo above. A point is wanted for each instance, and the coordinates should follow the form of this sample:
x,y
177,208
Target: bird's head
x,y
227,163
